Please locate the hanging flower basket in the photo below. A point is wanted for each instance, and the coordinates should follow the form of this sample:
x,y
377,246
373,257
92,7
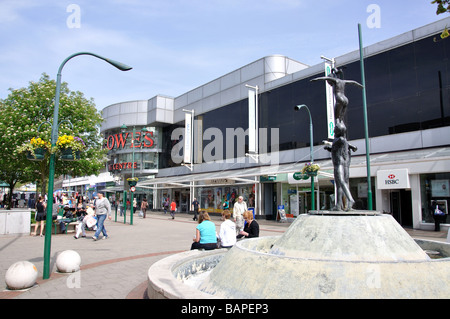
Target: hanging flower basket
x,y
37,154
132,181
36,149
70,147
310,169
68,154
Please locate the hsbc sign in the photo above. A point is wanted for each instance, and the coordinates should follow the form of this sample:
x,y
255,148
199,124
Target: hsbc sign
x,y
393,179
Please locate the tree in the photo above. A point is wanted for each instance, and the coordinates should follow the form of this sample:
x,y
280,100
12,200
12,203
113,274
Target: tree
x,y
443,6
26,110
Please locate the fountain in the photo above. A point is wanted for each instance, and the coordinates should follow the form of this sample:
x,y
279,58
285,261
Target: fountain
x,y
341,253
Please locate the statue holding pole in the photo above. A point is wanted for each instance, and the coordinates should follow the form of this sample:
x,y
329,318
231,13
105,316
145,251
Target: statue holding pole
x,y
340,148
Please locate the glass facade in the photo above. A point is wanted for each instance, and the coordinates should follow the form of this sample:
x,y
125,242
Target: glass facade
x,y
407,90
435,189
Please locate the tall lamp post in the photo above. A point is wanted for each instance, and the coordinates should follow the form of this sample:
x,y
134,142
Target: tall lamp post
x,y
143,130
311,154
51,178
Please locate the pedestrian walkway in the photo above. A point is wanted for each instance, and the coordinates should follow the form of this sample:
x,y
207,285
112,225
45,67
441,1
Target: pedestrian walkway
x,y
116,267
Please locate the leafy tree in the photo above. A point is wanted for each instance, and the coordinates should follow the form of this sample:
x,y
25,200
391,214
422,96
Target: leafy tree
x,y
443,6
26,110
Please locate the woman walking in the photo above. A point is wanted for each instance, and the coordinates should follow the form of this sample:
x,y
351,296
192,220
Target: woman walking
x,y
102,210
40,215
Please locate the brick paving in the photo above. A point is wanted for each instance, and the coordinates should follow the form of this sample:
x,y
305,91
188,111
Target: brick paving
x,y
115,268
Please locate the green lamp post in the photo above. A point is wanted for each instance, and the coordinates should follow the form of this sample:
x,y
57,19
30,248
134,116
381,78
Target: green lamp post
x,y
143,130
311,154
54,138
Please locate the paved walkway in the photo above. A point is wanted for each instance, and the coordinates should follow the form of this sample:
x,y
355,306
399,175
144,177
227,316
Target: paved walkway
x,y
117,267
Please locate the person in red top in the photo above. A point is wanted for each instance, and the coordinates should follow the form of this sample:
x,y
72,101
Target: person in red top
x,y
173,208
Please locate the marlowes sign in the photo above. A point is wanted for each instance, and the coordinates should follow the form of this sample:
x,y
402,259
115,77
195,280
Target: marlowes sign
x,y
120,166
119,141
393,179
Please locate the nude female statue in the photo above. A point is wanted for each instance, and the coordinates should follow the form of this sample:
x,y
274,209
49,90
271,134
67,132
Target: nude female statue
x,y
339,92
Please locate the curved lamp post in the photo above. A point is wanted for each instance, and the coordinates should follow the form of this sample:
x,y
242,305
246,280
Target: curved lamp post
x,y
51,178
311,154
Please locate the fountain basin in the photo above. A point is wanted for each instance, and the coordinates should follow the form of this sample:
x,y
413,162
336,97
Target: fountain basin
x,y
317,257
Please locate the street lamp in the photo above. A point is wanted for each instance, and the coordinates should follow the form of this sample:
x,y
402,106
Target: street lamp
x,y
143,130
51,178
311,154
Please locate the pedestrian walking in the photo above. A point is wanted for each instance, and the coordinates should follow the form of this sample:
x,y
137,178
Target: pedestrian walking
x,y
102,210
239,208
173,208
166,206
144,206
40,215
195,207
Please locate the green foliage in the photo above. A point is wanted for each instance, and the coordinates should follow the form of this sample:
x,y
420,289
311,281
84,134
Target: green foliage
x,y
25,109
443,6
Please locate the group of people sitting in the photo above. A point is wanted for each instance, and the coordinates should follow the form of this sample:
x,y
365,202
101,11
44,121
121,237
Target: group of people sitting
x,y
85,215
207,238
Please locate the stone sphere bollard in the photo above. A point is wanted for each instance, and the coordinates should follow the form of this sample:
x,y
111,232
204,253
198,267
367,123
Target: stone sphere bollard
x,y
21,275
68,261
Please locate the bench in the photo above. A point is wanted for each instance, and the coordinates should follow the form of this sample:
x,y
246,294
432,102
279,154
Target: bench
x,y
71,223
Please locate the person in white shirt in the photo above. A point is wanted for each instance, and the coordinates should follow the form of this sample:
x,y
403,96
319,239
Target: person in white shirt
x,y
88,220
239,208
227,233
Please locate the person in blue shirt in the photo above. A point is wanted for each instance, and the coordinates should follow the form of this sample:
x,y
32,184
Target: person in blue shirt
x,y
205,233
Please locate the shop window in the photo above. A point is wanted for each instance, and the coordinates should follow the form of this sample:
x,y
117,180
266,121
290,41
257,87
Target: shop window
x,y
434,188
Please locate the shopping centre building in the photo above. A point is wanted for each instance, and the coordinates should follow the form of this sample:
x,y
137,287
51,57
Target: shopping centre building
x,y
199,144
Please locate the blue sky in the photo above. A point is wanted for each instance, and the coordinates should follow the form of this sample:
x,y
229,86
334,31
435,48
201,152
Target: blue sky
x,y
175,46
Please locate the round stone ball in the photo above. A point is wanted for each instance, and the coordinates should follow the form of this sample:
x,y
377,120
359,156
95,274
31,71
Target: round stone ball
x,y
68,261
21,275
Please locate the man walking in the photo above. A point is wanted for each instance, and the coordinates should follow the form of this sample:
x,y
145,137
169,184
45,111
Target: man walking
x,y
195,207
238,210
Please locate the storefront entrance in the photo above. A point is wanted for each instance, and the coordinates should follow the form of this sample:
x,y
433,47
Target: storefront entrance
x,y
401,206
182,200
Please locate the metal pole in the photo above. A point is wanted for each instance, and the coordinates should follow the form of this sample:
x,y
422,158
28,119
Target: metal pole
x,y
132,175
311,151
54,138
366,126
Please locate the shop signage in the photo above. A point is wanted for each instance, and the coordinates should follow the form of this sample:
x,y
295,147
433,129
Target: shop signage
x,y
296,178
217,181
119,141
120,166
393,179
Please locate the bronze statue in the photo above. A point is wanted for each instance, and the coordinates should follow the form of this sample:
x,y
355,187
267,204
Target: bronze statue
x,y
340,148
341,157
339,92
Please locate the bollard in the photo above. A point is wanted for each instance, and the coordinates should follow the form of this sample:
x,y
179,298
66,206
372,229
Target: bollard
x,y
21,275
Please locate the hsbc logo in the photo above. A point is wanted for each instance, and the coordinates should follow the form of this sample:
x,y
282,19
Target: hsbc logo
x,y
391,180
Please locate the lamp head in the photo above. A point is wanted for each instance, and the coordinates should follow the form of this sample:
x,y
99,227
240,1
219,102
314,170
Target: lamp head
x,y
119,65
